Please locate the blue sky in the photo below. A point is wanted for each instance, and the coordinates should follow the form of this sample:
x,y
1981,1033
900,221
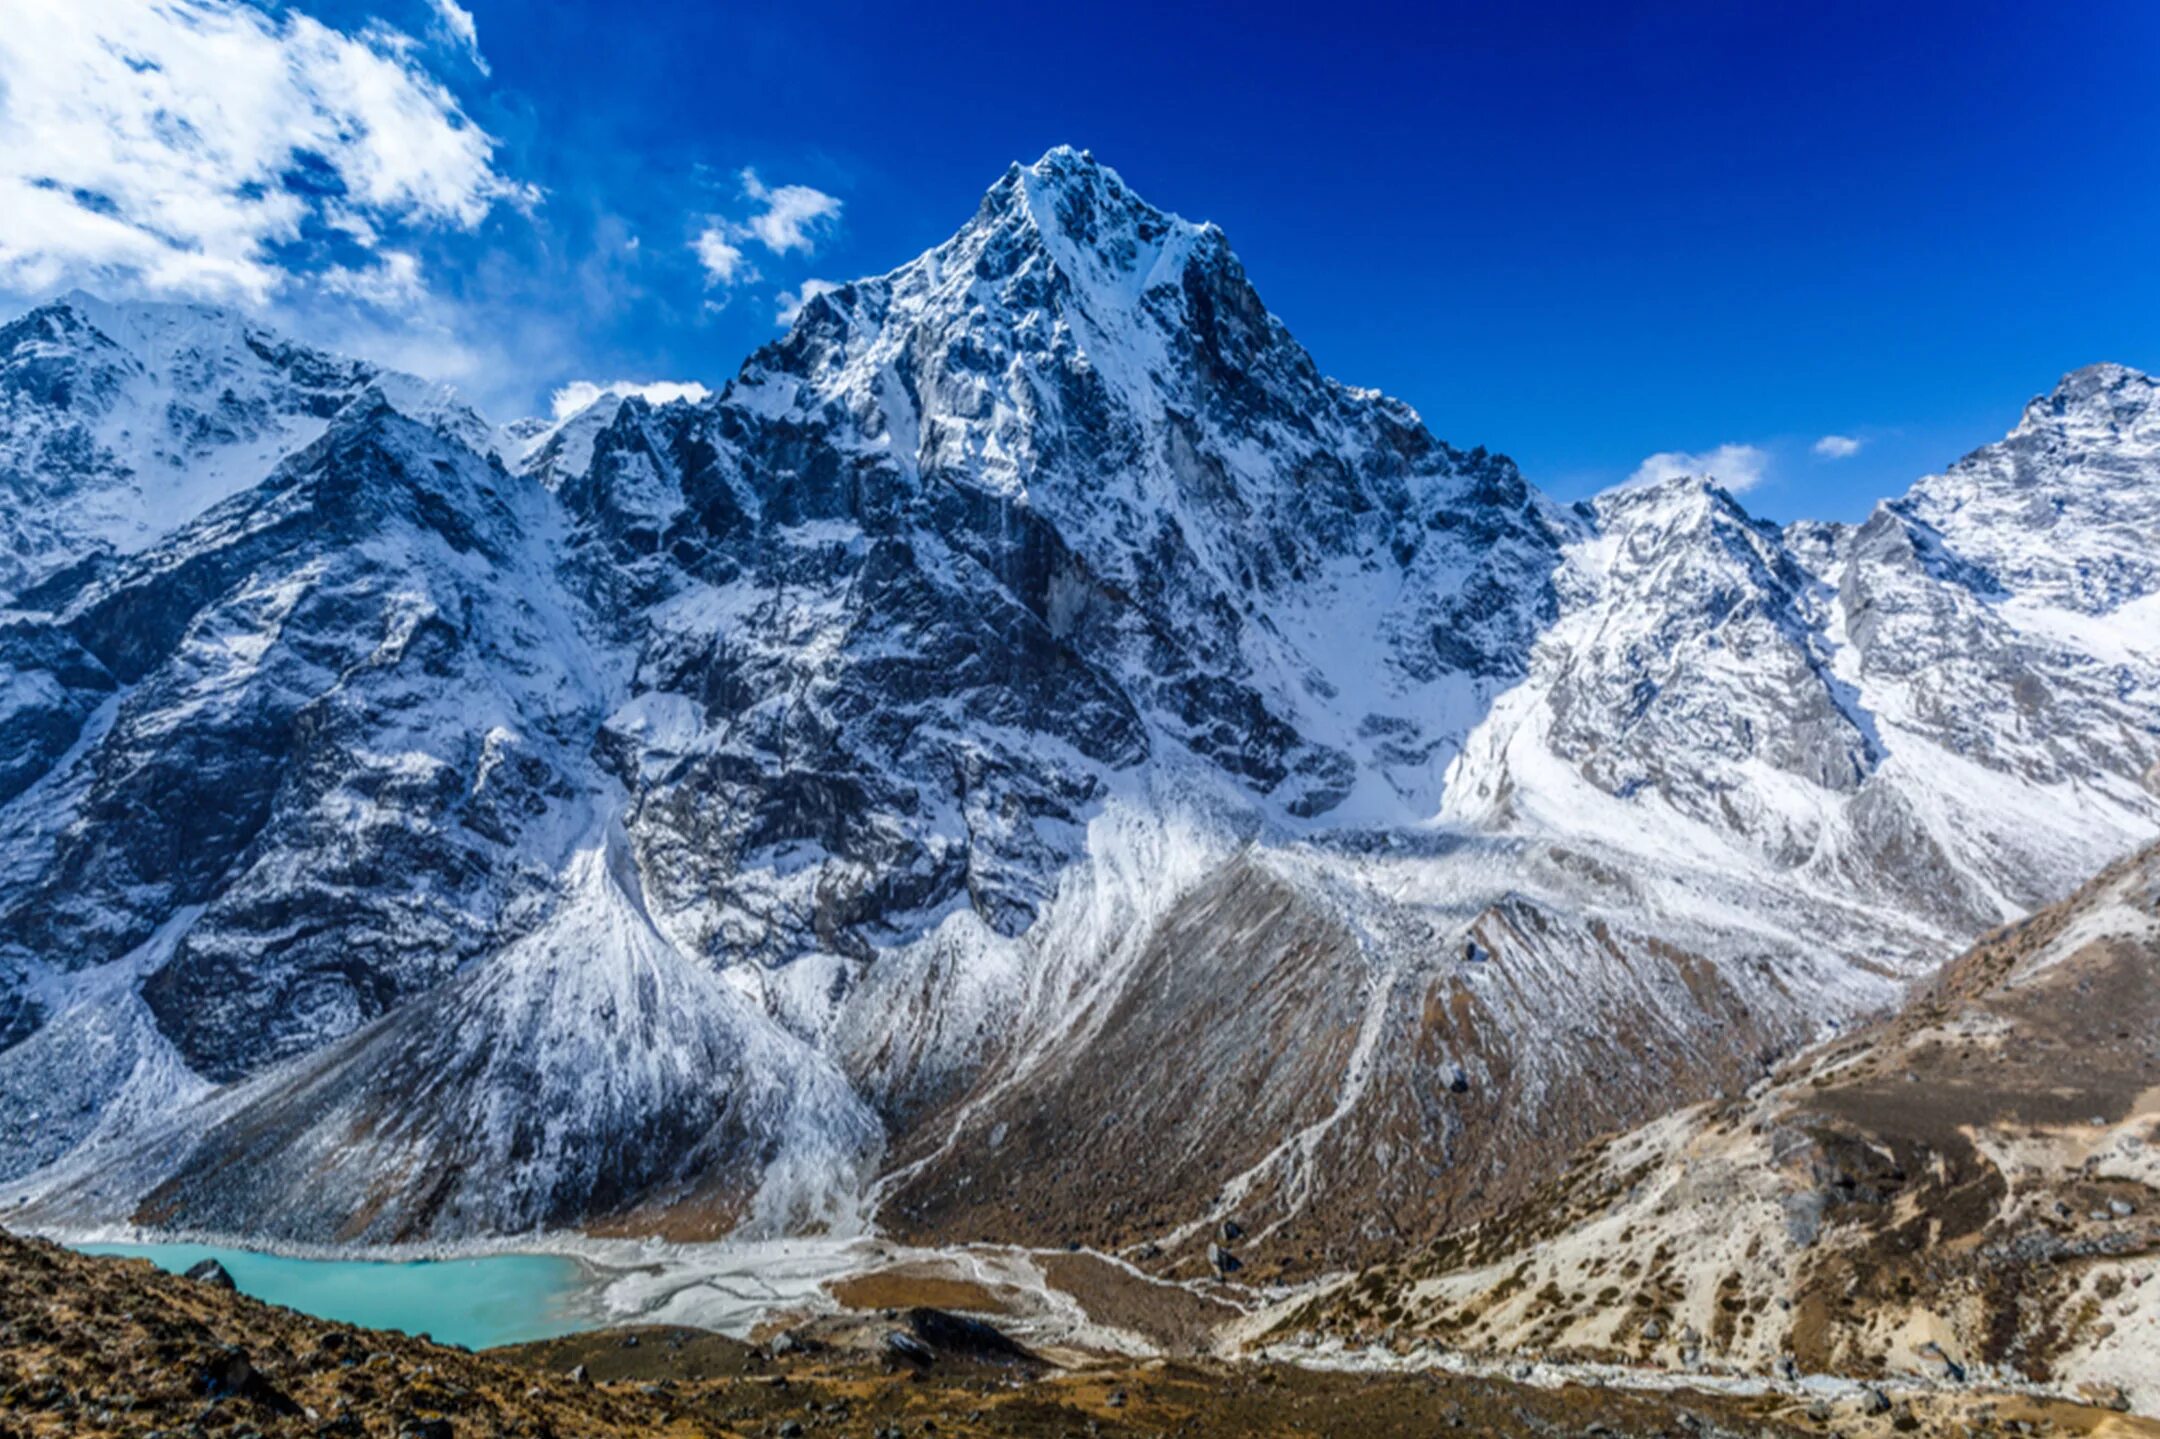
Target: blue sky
x,y
1580,235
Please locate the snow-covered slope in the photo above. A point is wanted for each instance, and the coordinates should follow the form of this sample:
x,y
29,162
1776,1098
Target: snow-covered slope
x,y
559,446
2060,514
1056,499
120,422
1865,710
1031,755
335,727
585,1070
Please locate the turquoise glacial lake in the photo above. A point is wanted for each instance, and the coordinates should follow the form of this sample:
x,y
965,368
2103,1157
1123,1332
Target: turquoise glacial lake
x,y
479,1302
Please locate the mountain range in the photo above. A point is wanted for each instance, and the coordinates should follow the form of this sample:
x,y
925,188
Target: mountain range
x,y
1028,759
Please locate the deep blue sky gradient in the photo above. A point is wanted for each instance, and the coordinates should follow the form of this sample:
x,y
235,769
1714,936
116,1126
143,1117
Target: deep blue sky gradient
x,y
1574,233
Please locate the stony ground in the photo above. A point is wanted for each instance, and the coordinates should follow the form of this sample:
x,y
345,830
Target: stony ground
x,y
115,1347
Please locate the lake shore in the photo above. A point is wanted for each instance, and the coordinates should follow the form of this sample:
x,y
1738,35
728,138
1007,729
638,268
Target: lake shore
x,y
122,1348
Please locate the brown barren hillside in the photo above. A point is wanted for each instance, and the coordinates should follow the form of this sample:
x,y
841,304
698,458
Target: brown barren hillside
x,y
1969,1189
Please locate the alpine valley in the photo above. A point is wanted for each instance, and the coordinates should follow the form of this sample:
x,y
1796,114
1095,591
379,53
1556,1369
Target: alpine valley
x,y
1030,761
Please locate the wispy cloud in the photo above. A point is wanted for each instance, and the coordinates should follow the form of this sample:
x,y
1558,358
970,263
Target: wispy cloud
x,y
392,282
456,24
791,302
791,218
794,217
1736,467
1837,447
191,148
721,257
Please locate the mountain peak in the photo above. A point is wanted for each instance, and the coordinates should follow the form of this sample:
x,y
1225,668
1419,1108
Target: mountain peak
x,y
1068,162
158,326
2064,509
1065,170
1093,225
2106,396
1663,500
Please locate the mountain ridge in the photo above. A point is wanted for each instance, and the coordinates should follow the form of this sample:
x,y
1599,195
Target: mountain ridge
x,y
1029,680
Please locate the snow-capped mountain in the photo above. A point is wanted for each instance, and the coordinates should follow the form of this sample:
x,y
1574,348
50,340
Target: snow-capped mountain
x,y
118,423
559,446
1029,758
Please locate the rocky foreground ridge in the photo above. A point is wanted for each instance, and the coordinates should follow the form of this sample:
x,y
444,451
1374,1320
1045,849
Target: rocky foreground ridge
x,y
114,1347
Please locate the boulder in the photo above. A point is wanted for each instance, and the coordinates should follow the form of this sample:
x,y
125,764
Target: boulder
x,y
958,1334
230,1374
903,1345
212,1273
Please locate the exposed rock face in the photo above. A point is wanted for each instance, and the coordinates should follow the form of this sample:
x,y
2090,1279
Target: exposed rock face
x,y
118,423
1056,499
326,715
1031,753
622,1036
212,1273
2062,512
1705,656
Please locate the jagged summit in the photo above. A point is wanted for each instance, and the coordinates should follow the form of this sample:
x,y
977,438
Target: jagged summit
x,y
1095,226
136,324
1070,192
2064,511
120,422
1703,494
2106,397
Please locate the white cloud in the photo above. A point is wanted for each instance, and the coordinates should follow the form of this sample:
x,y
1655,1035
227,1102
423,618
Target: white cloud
x,y
392,283
1837,447
793,217
456,22
723,261
1736,467
576,395
148,145
792,301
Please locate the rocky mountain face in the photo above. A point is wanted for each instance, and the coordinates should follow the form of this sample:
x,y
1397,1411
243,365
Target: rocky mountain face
x,y
120,423
1031,758
1969,1188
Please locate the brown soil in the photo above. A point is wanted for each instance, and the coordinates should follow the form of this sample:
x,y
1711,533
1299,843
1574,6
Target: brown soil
x,y
1236,1027
1928,1213
906,1286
